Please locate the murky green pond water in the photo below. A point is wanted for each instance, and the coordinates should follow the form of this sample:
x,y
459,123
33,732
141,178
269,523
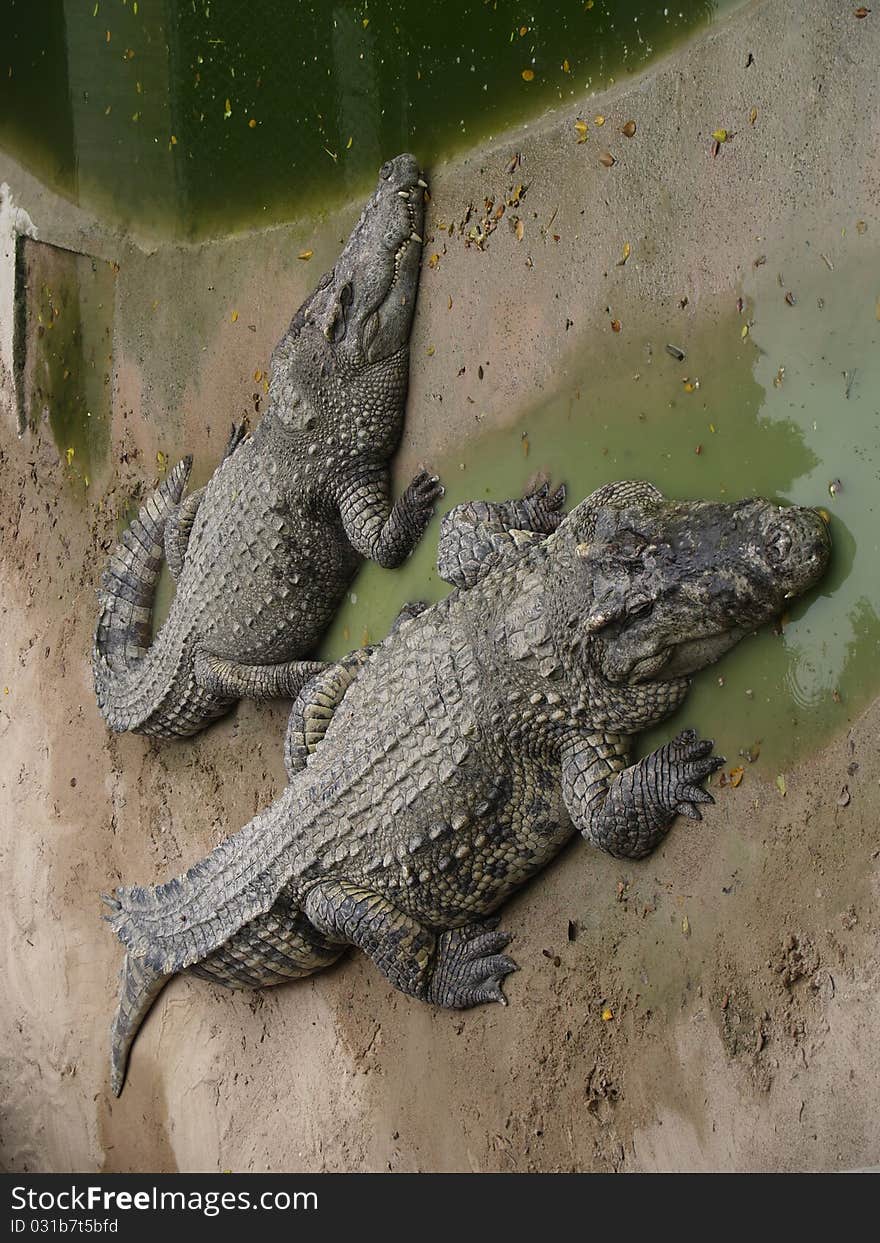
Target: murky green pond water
x,y
192,117
748,429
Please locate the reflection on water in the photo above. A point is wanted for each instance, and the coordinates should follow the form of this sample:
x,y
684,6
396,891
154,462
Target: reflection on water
x,y
202,116
779,693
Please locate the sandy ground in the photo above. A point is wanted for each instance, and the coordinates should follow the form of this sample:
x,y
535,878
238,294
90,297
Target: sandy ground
x,y
739,963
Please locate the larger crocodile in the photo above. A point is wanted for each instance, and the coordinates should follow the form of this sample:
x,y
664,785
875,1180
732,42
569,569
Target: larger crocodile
x,y
263,555
433,776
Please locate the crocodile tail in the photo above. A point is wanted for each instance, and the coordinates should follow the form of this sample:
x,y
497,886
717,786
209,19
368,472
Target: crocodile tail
x,y
128,585
178,923
139,987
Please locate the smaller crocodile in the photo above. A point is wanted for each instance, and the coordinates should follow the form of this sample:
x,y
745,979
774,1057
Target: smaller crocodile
x,y
262,555
431,777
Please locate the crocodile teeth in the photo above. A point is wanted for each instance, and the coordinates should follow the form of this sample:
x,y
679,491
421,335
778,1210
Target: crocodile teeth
x,y
403,194
422,183
414,237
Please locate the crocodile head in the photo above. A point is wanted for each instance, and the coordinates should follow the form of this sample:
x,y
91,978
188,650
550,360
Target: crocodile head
x,y
346,354
364,305
663,588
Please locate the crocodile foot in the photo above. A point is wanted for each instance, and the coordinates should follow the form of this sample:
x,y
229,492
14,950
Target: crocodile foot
x,y
546,508
684,763
469,969
237,434
423,491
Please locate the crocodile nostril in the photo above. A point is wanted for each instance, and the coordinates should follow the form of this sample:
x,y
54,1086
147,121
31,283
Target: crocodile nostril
x,y
386,170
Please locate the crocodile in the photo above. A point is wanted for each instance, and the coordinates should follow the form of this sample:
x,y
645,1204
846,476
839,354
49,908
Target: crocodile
x,y
431,777
263,554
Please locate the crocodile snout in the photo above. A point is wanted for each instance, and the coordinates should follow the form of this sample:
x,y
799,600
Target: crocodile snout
x,y
797,545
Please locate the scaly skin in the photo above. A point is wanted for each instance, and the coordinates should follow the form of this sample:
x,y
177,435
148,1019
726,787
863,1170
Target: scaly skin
x,y
264,553
432,776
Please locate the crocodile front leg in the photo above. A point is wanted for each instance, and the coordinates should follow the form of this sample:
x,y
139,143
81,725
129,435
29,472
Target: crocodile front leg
x,y
481,535
384,533
628,811
455,969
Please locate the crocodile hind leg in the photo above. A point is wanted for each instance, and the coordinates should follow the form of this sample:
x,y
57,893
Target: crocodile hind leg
x,y
178,530
481,535
180,522
276,947
456,969
315,705
227,679
627,811
318,700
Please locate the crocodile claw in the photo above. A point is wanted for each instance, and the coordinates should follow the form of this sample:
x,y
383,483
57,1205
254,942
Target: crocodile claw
x,y
470,969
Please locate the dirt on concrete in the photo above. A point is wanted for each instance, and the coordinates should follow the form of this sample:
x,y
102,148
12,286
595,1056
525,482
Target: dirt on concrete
x,y
715,1006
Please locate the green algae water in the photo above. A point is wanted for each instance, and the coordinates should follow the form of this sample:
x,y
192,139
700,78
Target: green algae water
x,y
68,358
791,412
198,117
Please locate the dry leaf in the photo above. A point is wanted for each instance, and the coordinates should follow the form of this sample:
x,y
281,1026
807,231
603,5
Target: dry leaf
x,y
528,75
779,377
430,351
861,227
736,776
745,331
306,254
433,261
566,67
629,129
780,784
258,375
615,325
581,130
843,799
720,135
753,116
520,229
69,455
525,445
607,159
686,926
234,316
599,120
627,251
607,1015
860,12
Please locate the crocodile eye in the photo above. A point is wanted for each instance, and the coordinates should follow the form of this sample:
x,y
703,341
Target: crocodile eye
x,y
386,170
346,295
639,607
